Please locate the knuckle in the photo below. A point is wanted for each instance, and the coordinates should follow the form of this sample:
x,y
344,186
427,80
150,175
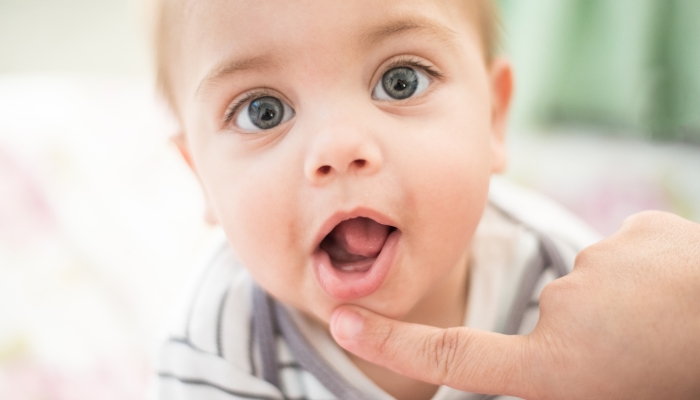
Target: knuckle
x,y
644,219
548,296
584,257
553,293
443,350
384,339
597,253
636,219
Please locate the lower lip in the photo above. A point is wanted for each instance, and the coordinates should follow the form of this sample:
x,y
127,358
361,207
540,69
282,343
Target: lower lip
x,y
346,286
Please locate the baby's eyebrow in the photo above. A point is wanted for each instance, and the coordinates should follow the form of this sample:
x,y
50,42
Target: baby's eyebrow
x,y
368,39
232,66
405,25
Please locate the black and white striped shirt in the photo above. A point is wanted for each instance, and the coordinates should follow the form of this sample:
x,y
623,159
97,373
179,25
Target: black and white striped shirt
x,y
229,340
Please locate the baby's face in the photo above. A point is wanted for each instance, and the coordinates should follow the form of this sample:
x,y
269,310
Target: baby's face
x,y
344,146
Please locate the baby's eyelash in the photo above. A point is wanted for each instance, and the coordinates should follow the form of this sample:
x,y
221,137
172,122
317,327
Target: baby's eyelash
x,y
416,63
232,109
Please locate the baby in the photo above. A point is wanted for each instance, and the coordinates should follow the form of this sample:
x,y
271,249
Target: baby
x,y
346,150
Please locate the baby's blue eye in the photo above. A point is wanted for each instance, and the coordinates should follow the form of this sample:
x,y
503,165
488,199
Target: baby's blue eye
x,y
264,113
400,83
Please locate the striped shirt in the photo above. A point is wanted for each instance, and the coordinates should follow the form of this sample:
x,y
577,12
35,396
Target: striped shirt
x,y
228,339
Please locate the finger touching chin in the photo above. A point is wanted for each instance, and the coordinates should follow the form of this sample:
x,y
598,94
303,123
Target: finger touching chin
x,y
364,333
347,325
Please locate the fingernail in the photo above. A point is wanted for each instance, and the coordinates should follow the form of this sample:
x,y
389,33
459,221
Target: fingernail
x,y
347,324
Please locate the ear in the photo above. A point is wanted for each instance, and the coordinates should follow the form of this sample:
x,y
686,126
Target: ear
x,y
501,74
180,142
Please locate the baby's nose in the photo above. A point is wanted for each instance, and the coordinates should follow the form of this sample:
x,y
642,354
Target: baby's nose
x,y
342,152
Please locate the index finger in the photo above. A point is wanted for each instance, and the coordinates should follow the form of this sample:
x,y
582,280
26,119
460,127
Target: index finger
x,y
463,358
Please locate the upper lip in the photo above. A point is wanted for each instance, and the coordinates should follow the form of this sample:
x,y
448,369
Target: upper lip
x,y
341,216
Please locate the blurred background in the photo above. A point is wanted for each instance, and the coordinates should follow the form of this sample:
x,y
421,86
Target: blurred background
x,y
100,220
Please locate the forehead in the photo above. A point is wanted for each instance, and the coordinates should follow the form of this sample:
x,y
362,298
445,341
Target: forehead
x,y
228,19
221,36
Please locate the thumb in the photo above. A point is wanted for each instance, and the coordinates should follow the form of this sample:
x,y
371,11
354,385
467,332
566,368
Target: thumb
x,y
463,358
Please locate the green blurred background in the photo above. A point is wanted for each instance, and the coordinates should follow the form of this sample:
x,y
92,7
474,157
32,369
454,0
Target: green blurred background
x,y
626,66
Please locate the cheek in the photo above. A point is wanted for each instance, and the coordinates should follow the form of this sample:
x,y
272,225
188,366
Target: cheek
x,y
450,168
447,168
257,207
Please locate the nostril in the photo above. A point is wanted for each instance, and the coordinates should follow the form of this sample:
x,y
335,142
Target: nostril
x,y
358,164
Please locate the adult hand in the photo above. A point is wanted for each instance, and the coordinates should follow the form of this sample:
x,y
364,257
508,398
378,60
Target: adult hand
x,y
625,324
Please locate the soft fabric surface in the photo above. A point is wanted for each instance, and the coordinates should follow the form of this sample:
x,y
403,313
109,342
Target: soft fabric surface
x,y
99,223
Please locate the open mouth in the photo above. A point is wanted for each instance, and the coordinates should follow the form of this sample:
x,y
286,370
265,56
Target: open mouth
x,y
355,257
354,244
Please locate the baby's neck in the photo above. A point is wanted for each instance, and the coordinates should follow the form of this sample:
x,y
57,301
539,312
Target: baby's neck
x,y
444,307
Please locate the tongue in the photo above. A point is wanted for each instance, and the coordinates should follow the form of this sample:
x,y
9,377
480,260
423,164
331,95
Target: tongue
x,y
356,239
